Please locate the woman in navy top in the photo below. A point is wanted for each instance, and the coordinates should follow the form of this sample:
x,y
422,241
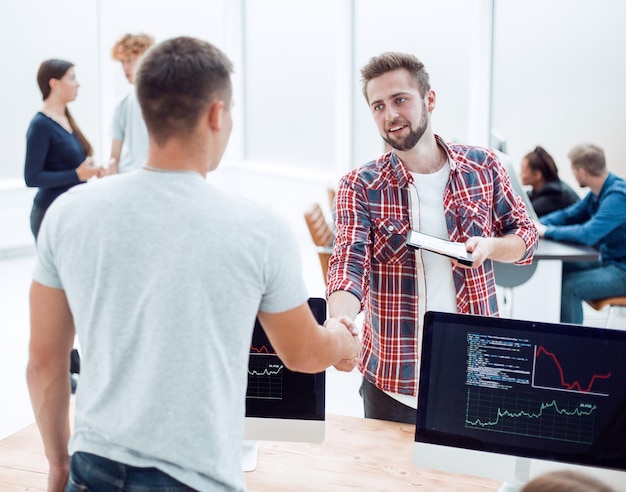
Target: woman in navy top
x,y
548,192
58,156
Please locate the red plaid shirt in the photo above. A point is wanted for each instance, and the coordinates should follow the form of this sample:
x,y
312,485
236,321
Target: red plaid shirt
x,y
372,261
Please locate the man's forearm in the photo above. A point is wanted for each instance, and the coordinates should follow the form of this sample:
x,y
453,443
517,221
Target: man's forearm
x,y
48,371
509,248
343,303
50,396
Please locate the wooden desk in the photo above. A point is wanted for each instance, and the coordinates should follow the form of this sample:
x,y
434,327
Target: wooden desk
x,y
23,466
357,454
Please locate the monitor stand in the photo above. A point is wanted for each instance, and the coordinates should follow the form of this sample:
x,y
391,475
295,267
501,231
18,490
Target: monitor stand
x,y
249,451
511,487
522,475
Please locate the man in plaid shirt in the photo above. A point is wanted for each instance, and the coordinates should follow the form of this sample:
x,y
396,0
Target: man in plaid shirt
x,y
450,191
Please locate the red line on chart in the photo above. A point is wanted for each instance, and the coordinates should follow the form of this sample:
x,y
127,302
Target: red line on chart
x,y
575,385
262,350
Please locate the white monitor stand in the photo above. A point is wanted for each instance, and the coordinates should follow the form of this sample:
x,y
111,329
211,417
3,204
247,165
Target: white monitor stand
x,y
249,452
522,475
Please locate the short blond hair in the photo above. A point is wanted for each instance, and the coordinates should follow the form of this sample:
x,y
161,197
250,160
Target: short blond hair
x,y
589,157
131,45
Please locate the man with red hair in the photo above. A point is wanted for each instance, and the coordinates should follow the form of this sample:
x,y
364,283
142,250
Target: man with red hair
x,y
129,148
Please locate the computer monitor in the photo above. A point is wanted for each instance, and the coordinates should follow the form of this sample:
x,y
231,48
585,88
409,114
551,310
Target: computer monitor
x,y
516,184
509,399
281,405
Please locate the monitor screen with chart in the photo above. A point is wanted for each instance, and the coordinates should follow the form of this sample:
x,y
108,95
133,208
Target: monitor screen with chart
x,y
509,399
283,405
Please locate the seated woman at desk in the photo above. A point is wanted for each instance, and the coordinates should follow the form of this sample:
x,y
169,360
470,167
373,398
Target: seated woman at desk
x,y
548,193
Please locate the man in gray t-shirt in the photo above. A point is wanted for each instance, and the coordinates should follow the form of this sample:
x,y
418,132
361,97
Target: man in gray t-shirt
x,y
163,288
129,145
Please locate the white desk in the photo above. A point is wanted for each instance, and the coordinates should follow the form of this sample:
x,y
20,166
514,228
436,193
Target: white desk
x,y
536,289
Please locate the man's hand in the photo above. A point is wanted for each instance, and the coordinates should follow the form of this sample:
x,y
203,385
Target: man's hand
x,y
541,229
480,247
507,249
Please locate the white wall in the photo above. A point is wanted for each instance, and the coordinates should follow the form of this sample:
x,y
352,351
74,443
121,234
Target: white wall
x,y
558,72
559,78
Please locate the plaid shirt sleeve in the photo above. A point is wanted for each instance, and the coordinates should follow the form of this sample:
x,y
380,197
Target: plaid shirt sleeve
x,y
349,264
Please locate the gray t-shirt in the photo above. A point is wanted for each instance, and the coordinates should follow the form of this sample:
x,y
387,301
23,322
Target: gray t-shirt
x,y
164,275
128,125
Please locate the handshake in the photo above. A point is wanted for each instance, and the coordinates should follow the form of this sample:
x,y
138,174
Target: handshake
x,y
347,333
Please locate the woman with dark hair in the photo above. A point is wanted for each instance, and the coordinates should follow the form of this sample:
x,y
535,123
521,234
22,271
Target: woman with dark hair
x,y
548,192
58,156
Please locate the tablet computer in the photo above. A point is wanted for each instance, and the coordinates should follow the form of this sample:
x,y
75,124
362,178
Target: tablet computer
x,y
444,247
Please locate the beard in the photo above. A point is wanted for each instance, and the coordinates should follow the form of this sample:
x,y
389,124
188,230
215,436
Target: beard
x,y
410,141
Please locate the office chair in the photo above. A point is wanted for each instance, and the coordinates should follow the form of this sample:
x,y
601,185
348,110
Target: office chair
x,y
321,234
612,302
508,276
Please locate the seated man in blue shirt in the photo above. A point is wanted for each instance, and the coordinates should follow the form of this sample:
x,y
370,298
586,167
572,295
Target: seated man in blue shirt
x,y
597,220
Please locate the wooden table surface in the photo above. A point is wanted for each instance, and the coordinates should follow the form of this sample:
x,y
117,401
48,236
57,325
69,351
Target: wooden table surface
x,y
357,454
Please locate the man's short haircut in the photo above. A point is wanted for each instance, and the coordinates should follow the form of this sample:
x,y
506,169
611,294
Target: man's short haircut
x,y
589,157
130,45
392,60
176,82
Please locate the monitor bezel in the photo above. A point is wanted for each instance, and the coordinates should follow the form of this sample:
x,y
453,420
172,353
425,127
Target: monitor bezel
x,y
316,413
424,435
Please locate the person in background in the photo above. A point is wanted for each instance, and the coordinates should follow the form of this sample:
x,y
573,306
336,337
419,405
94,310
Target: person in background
x,y
451,191
129,148
58,155
566,481
548,193
166,326
599,219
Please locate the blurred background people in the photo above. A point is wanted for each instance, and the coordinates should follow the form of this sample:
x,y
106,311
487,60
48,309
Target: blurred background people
x,y
599,219
548,193
58,155
129,148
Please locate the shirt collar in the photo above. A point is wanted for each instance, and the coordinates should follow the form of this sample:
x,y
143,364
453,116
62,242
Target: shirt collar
x,y
402,174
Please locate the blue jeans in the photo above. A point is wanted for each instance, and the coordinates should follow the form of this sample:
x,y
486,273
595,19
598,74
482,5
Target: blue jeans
x,y
379,405
89,472
588,281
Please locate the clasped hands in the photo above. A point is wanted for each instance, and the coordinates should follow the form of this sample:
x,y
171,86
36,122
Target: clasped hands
x,y
347,323
88,169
